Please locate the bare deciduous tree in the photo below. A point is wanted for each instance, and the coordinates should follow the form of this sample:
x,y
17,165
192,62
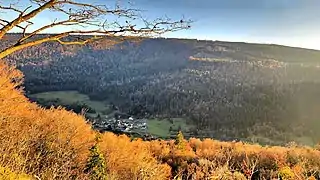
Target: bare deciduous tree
x,y
78,18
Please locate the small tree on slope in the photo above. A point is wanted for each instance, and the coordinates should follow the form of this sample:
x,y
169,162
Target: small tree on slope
x,y
96,165
180,143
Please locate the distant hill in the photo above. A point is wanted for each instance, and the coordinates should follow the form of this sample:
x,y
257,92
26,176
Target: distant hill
x,y
256,92
254,52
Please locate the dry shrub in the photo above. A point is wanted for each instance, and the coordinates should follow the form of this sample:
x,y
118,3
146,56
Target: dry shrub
x,y
286,173
7,174
253,161
160,149
223,173
48,143
131,159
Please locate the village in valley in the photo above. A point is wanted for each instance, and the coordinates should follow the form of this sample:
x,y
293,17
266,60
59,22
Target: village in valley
x,y
122,123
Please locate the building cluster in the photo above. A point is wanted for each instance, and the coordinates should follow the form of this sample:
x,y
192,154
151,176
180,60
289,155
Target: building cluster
x,y
120,123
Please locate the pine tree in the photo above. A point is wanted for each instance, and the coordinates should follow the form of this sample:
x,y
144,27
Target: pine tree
x,y
96,166
179,142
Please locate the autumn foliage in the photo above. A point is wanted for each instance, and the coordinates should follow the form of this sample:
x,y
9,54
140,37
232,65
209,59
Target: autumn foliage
x,y
58,144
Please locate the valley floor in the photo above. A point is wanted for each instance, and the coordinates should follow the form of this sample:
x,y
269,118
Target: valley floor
x,y
104,116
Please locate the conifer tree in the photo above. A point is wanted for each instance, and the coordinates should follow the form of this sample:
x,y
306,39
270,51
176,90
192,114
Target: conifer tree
x,y
179,142
96,165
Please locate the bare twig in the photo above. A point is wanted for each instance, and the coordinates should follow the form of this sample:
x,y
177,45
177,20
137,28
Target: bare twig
x,y
81,16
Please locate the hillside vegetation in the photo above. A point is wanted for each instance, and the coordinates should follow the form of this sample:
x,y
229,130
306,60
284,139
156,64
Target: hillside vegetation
x,y
228,91
58,144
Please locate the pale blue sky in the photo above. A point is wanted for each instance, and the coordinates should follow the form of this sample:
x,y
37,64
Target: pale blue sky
x,y
286,22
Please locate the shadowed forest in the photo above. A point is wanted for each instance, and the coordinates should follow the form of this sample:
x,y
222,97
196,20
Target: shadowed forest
x,y
227,91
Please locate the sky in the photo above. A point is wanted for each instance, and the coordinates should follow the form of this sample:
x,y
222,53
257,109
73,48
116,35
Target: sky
x,y
286,22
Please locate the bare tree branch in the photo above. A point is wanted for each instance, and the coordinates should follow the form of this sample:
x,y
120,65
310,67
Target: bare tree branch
x,y
65,22
23,18
5,22
81,16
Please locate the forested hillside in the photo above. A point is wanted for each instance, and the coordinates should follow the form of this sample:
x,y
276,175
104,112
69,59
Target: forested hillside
x,y
261,93
37,143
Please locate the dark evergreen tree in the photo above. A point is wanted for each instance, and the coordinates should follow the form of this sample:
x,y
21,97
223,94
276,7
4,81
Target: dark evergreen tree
x,y
96,165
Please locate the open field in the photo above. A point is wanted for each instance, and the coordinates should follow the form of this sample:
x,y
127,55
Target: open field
x,y
161,127
70,97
